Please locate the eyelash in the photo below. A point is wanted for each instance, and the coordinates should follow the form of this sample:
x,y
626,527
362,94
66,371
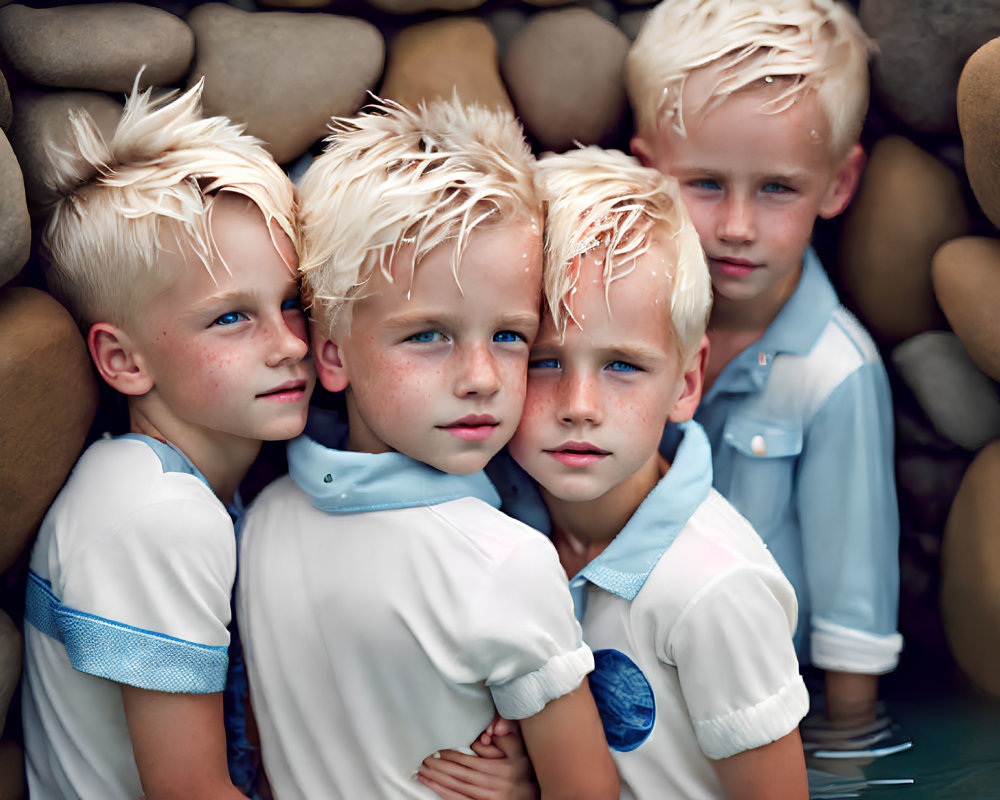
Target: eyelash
x,y
240,317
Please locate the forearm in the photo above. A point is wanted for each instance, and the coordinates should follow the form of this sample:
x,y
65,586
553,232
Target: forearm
x,y
851,698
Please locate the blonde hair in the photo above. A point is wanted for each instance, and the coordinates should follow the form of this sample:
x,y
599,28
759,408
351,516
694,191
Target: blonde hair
x,y
605,199
162,167
808,45
393,177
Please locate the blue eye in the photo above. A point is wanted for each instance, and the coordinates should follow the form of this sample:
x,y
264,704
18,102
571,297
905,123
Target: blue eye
x,y
425,336
508,336
706,183
544,363
776,188
622,366
292,305
230,318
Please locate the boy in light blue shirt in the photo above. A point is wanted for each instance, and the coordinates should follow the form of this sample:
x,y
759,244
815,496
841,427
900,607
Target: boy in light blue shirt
x,y
756,109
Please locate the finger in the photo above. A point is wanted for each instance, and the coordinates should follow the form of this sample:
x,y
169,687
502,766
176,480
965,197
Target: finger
x,y
440,790
487,750
505,727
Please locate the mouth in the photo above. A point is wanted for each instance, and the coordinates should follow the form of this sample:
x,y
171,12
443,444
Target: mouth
x,y
288,392
578,454
472,428
734,267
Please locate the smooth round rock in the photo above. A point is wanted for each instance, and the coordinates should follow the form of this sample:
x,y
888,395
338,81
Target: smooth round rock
x,y
970,572
48,398
907,206
6,109
565,73
10,664
402,7
979,122
43,120
961,402
284,74
434,59
923,45
15,223
966,273
101,46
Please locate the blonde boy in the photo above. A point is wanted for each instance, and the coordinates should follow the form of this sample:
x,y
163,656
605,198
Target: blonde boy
x,y
388,607
688,615
174,245
756,108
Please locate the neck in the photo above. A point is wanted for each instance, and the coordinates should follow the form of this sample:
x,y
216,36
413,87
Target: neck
x,y
582,530
224,460
754,314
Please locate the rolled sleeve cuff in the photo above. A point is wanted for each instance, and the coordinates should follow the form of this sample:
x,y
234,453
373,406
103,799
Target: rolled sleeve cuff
x,y
835,647
526,695
756,726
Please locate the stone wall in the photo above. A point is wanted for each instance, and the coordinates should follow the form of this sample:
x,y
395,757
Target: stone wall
x,y
916,256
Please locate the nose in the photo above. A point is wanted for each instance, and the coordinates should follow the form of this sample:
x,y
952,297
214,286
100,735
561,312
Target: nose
x,y
477,371
736,221
287,340
579,401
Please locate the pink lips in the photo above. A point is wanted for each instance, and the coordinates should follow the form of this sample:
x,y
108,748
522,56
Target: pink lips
x,y
288,392
578,454
472,428
734,267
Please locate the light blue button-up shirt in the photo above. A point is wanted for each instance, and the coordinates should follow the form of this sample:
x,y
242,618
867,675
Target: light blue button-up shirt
x,y
801,429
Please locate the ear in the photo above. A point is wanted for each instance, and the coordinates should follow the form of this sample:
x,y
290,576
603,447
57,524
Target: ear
x,y
844,184
640,149
329,367
117,359
694,379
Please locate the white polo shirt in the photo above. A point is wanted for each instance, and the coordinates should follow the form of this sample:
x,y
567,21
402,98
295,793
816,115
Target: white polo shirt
x,y
385,609
129,583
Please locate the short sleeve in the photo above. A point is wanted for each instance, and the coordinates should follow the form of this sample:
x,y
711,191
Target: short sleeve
x,y
528,644
732,647
148,604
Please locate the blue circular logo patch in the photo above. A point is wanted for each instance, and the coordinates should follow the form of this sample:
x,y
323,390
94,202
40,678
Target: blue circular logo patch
x,y
624,699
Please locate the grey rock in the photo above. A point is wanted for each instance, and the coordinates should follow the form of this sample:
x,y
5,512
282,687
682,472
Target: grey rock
x,y
565,73
15,223
101,46
923,45
43,120
961,402
283,74
6,109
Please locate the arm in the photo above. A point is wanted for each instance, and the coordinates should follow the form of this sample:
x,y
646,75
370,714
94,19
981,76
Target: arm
x,y
179,744
566,744
776,771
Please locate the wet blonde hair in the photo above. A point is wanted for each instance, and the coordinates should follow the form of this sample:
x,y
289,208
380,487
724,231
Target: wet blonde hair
x,y
105,233
805,45
605,199
393,177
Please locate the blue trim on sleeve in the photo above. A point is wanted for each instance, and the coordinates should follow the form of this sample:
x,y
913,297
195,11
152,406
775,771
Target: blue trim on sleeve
x,y
122,653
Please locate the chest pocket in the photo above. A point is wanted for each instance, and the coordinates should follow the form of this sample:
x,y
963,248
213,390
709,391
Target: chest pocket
x,y
761,476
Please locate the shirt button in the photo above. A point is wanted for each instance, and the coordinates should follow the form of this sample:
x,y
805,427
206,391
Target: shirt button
x,y
758,446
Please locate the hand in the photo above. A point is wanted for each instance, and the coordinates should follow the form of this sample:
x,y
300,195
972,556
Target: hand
x,y
500,770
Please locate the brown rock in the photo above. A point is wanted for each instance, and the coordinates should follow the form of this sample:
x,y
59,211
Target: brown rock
x,y
908,205
923,45
979,121
101,46
6,109
15,224
48,398
43,120
417,6
433,59
284,74
970,572
10,664
966,273
565,73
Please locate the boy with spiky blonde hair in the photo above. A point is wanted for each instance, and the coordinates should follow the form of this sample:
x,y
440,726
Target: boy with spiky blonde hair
x,y
388,608
174,246
688,615
756,108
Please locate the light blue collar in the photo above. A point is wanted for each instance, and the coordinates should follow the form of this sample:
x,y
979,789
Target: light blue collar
x,y
794,330
626,563
344,482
